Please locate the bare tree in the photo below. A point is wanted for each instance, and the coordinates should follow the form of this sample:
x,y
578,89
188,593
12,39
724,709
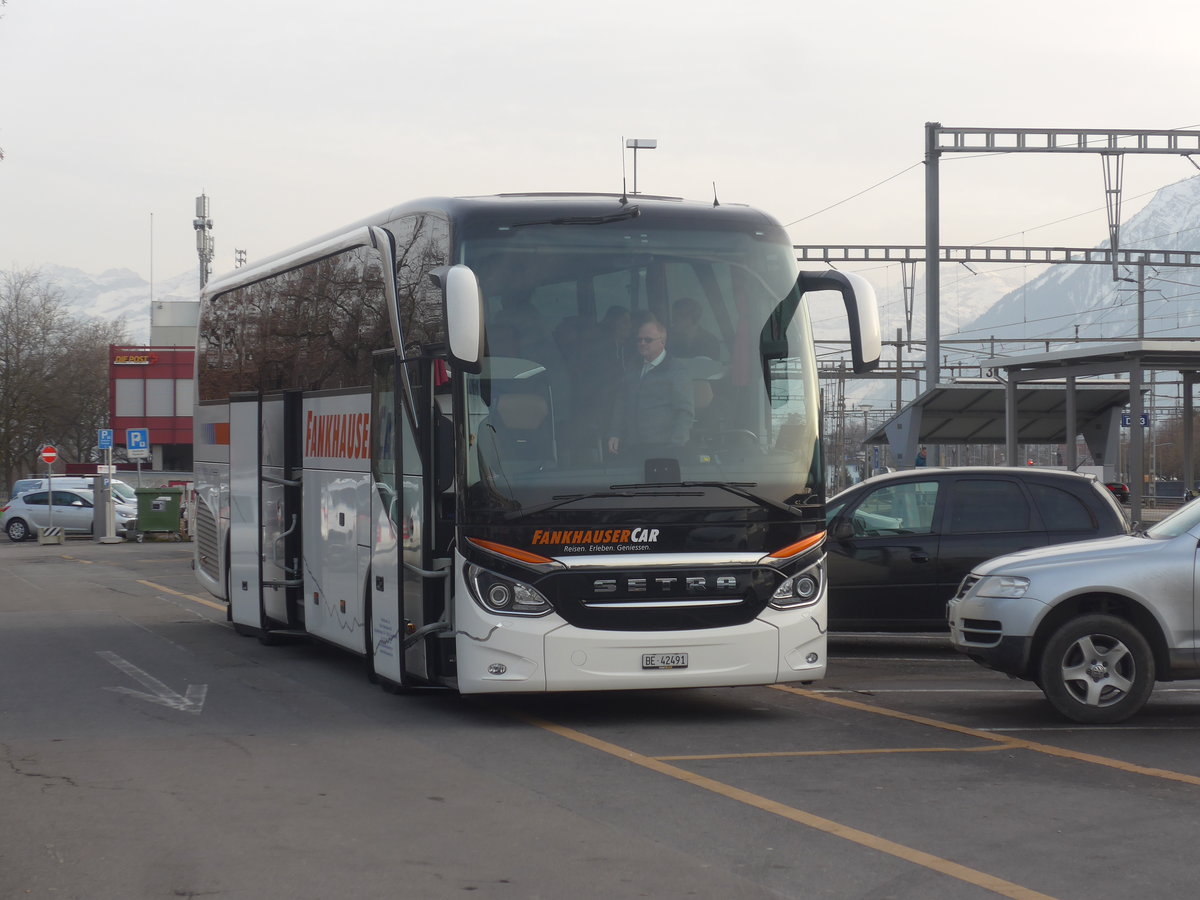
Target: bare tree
x,y
31,318
77,406
53,374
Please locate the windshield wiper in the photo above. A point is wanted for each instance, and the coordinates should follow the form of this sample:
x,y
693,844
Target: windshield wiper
x,y
631,212
564,499
737,488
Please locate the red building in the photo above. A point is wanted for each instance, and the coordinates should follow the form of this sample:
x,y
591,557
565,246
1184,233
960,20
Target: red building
x,y
152,387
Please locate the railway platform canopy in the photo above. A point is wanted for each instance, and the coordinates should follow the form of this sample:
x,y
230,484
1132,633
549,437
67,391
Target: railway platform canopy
x,y
975,411
1045,397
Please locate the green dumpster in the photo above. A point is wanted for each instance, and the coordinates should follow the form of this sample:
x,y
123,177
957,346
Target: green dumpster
x,y
158,511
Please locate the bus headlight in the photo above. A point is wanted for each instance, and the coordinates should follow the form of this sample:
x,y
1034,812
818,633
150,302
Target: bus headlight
x,y
802,589
498,594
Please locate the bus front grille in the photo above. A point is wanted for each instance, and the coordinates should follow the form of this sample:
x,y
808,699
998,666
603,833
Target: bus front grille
x,y
660,600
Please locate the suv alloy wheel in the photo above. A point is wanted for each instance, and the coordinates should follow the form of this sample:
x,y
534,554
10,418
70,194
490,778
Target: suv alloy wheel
x,y
1097,669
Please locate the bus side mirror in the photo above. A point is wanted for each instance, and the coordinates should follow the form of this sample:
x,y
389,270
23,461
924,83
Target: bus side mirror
x,y
866,339
464,318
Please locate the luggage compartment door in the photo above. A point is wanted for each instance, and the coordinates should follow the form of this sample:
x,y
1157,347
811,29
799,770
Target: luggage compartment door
x,y
245,507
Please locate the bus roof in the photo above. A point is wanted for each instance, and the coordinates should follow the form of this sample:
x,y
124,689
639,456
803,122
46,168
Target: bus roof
x,y
530,206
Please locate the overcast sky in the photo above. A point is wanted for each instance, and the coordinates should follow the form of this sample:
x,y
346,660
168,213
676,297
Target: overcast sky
x,y
297,117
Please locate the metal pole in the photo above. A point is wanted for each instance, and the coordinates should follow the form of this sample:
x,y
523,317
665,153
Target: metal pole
x,y
899,371
110,527
933,240
1010,420
1072,424
932,246
1141,299
1189,476
1136,441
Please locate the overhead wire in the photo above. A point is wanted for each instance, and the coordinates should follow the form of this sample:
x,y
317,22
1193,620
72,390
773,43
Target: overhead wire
x,y
1103,313
853,196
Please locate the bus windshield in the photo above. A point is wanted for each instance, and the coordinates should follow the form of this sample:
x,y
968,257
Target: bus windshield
x,y
621,356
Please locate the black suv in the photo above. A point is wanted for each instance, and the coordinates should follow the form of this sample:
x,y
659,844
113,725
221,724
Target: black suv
x,y
899,544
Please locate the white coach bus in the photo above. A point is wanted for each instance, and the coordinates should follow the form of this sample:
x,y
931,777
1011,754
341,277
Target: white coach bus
x,y
414,439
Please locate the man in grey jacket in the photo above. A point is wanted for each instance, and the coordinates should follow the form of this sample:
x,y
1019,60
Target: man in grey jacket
x,y
654,410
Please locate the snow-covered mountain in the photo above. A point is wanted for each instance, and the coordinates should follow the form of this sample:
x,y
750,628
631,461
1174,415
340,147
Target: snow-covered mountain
x,y
119,292
1068,301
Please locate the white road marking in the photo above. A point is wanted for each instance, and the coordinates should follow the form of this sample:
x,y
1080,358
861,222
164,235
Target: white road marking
x,y
192,701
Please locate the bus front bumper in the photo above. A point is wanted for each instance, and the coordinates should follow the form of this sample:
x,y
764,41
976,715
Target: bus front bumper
x,y
535,655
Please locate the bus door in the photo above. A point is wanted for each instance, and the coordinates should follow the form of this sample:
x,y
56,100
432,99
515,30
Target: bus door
x,y
391,525
264,584
407,599
281,465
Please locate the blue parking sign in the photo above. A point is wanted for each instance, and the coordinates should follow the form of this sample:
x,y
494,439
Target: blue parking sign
x,y
137,443
104,439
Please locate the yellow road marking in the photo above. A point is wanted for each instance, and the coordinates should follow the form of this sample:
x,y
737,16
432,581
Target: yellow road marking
x,y
1011,742
865,839
86,562
201,600
783,753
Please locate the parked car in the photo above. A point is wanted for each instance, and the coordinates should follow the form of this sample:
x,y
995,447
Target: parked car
x,y
1095,624
72,511
1120,491
899,544
122,492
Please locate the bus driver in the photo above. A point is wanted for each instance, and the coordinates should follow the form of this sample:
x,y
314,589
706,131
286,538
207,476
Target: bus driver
x,y
653,412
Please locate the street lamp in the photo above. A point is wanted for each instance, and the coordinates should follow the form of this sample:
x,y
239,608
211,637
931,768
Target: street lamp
x,y
636,144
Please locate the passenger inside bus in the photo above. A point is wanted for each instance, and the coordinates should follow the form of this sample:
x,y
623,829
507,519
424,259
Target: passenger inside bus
x,y
688,338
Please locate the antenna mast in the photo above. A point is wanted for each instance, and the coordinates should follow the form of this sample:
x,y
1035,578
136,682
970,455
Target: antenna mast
x,y
204,239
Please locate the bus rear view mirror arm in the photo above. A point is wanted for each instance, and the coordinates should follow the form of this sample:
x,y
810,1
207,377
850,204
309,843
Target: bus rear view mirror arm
x,y
866,342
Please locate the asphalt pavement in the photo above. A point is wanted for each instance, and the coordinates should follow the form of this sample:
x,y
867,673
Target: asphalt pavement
x,y
147,751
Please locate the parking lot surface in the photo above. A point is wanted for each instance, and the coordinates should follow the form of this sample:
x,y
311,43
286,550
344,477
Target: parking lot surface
x,y
148,751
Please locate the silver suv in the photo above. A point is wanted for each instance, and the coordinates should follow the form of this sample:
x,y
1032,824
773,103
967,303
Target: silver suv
x,y
1093,624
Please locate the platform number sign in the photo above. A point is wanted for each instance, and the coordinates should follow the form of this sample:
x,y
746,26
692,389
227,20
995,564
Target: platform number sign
x,y
137,443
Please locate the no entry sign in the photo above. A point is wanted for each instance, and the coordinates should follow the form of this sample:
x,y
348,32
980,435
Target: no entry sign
x,y
49,454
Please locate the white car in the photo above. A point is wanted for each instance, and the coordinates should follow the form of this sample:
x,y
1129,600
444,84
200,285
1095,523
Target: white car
x,y
1095,623
122,492
72,511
